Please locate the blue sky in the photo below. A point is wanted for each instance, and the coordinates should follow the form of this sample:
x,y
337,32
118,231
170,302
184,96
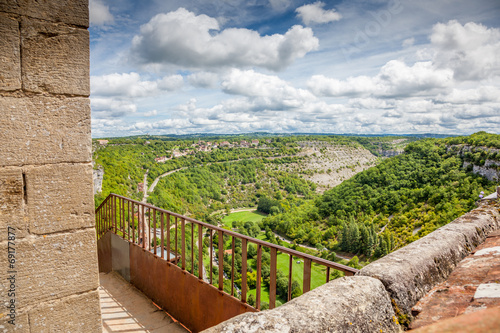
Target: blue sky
x,y
285,66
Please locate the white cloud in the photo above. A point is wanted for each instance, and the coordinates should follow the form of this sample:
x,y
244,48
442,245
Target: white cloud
x,y
280,5
130,85
196,41
203,79
99,13
395,79
111,108
151,113
314,13
470,50
252,84
408,42
480,94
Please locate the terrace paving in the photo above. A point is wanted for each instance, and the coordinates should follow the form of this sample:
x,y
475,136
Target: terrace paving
x,y
471,295
125,309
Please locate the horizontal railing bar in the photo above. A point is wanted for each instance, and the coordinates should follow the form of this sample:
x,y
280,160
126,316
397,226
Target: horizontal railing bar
x,y
281,249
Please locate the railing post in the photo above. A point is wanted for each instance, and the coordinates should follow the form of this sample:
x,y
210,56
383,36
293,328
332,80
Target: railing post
x,y
290,265
211,256
113,214
221,260
168,237
162,245
232,265
307,275
244,270
183,245
133,223
259,273
200,252
154,230
192,248
272,284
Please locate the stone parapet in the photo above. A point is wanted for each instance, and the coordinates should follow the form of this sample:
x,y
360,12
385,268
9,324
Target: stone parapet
x,y
349,304
410,272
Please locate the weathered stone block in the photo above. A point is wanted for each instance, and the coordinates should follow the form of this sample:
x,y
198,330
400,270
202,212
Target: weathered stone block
x,y
410,272
72,314
55,58
10,55
43,130
10,6
75,12
51,267
59,197
21,323
12,203
350,304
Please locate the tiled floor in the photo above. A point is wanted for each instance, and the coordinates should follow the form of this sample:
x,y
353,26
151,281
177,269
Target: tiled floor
x,y
126,309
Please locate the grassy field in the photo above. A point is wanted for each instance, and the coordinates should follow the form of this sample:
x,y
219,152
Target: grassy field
x,y
248,216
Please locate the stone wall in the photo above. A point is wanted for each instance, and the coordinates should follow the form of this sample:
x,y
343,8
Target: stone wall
x,y
50,279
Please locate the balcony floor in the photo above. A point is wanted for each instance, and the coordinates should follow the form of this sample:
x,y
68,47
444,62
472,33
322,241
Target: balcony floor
x,y
125,309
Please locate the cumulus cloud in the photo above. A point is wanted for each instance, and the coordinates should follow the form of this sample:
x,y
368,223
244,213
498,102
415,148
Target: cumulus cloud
x,y
280,5
263,92
131,85
252,84
151,113
470,50
203,79
394,79
480,94
408,42
196,41
111,108
99,13
314,13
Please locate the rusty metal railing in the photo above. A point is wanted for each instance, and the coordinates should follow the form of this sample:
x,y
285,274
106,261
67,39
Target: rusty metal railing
x,y
178,236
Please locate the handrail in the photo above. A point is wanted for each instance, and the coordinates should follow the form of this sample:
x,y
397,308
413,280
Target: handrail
x,y
129,219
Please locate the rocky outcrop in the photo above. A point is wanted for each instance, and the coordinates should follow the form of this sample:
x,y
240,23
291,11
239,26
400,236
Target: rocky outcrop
x,y
410,272
489,167
389,153
489,171
349,304
98,176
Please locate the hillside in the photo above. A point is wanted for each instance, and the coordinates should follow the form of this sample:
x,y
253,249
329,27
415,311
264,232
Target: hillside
x,y
224,172
396,202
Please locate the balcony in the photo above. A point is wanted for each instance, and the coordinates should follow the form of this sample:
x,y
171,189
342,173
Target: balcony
x,y
164,255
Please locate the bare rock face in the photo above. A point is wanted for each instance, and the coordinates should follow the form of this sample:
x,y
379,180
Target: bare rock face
x,y
410,272
98,176
349,304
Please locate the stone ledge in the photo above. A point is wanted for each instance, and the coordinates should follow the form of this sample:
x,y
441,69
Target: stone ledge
x,y
349,304
410,272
